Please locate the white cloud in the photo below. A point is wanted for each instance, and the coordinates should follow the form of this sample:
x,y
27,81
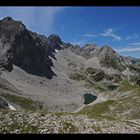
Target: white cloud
x,y
132,36
87,35
129,49
132,47
135,44
110,33
80,43
128,37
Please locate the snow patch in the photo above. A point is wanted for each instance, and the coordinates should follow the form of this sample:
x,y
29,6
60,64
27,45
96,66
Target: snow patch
x,y
11,107
56,50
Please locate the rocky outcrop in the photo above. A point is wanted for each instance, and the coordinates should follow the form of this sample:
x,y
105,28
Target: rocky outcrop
x,y
87,51
9,30
55,41
25,49
109,58
3,103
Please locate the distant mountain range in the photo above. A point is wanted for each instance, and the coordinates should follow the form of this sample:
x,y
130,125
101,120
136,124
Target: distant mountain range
x,y
134,59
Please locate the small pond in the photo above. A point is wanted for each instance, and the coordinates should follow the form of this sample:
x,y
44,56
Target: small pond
x,y
89,98
112,87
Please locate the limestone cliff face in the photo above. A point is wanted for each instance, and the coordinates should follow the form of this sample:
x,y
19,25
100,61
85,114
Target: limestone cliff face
x,y
87,51
26,49
107,57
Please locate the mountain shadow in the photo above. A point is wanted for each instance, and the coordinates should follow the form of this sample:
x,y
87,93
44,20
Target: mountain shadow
x,y
25,49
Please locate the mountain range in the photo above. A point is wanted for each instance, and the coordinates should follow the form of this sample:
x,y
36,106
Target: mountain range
x,y
45,73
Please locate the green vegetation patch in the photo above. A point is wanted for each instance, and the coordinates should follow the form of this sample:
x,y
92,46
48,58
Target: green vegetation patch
x,y
99,76
134,68
91,70
77,76
112,62
68,128
93,86
112,87
126,106
16,122
97,110
97,128
25,103
126,86
135,79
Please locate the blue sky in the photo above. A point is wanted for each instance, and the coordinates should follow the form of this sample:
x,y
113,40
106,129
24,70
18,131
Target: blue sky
x,y
118,27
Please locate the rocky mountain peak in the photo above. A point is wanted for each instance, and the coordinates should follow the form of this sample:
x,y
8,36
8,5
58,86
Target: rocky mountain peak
x,y
91,48
25,49
10,24
7,19
89,45
109,58
106,50
55,38
55,41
